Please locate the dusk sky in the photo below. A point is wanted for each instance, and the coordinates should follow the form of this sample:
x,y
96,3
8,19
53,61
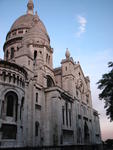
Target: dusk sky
x,y
85,27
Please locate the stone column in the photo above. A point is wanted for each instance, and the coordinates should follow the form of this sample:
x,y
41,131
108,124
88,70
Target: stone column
x,y
19,136
25,116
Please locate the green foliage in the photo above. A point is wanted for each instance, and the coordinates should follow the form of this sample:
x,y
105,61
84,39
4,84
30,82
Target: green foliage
x,y
109,142
106,85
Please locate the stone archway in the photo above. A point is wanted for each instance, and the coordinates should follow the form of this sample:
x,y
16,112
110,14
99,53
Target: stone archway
x,y
11,100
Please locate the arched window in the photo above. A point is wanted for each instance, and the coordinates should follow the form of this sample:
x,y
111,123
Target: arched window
x,y
50,82
12,52
11,104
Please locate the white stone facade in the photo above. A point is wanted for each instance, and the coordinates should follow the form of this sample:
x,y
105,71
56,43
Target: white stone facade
x,y
40,105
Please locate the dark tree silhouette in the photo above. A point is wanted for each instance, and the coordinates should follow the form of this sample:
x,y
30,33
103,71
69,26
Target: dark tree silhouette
x,y
109,142
106,85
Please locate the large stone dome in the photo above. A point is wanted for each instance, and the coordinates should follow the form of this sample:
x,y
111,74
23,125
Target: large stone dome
x,y
22,25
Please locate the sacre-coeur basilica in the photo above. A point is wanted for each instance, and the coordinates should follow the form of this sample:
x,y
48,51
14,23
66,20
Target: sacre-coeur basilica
x,y
41,105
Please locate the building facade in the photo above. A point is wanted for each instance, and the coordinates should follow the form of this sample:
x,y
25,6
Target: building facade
x,y
40,105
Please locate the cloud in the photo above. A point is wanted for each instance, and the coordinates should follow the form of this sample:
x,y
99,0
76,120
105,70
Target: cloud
x,y
82,25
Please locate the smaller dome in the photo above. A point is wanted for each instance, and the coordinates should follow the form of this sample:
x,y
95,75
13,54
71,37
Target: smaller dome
x,y
37,33
67,54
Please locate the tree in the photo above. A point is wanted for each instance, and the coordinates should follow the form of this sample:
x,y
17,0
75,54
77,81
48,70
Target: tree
x,y
106,85
109,142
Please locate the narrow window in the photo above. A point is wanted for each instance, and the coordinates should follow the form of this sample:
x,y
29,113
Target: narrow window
x,y
36,128
14,78
9,74
4,75
17,80
63,115
36,97
10,105
67,114
12,52
70,117
35,56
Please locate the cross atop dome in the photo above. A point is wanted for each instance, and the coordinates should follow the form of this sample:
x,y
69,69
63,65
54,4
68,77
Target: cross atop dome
x,y
30,7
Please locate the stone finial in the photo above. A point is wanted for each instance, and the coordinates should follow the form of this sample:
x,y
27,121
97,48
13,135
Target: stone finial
x,y
87,78
67,54
36,18
30,7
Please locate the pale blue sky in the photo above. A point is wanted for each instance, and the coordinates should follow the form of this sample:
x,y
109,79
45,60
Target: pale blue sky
x,y
83,26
